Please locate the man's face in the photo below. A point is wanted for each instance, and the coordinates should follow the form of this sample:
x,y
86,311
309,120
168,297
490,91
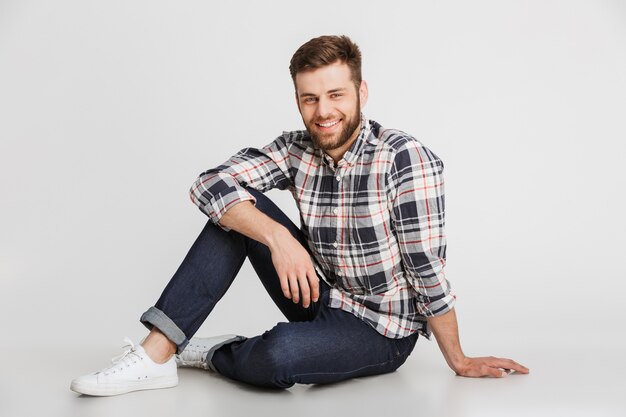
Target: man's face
x,y
330,105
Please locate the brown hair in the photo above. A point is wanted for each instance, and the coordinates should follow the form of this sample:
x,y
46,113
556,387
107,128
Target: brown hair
x,y
326,50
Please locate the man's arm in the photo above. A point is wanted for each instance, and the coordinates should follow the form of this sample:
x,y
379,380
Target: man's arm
x,y
218,189
446,332
417,192
291,260
220,193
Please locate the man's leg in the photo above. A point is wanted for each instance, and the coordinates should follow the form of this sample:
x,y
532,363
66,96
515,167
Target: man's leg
x,y
202,279
334,346
205,275
318,345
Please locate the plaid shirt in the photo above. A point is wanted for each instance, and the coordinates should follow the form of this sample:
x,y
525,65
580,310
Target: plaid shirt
x,y
374,222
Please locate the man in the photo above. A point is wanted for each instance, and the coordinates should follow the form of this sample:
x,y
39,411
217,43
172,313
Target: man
x,y
372,228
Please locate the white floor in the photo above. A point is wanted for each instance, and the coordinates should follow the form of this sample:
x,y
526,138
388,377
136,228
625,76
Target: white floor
x,y
581,381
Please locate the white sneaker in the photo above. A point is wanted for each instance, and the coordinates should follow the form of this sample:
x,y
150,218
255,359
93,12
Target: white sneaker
x,y
195,353
131,371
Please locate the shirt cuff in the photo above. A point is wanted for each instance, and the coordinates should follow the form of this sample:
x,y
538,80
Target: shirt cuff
x,y
220,204
437,307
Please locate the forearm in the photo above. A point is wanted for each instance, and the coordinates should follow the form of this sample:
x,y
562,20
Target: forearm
x,y
446,332
246,219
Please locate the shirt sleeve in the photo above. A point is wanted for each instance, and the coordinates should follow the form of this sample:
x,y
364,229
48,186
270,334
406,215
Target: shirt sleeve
x,y
417,195
218,189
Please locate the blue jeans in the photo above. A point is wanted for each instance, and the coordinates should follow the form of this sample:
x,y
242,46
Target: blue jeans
x,y
317,345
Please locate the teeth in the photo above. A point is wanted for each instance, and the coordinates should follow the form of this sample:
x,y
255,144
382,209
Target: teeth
x,y
329,124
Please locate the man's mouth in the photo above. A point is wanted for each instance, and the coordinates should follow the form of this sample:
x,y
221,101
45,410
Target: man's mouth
x,y
329,125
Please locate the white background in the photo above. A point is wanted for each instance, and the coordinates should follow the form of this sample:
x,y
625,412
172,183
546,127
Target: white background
x,y
110,109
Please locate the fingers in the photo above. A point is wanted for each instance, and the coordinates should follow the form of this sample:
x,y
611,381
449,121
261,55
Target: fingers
x,y
292,286
482,370
294,289
284,285
309,287
314,283
491,367
301,287
304,291
292,262
493,372
507,364
518,367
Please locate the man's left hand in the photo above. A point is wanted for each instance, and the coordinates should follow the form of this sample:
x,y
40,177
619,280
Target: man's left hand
x,y
446,331
488,366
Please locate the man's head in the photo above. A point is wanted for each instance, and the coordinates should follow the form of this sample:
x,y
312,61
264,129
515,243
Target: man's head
x,y
330,93
326,50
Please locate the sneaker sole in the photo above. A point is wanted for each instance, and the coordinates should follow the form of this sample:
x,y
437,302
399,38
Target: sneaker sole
x,y
104,390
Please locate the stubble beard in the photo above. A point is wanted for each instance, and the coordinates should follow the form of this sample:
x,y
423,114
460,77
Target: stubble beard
x,y
320,140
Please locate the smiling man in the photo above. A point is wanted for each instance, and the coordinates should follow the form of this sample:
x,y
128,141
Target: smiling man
x,y
358,281
330,106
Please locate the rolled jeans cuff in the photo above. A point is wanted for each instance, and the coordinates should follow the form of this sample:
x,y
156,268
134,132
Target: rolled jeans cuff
x,y
211,352
153,317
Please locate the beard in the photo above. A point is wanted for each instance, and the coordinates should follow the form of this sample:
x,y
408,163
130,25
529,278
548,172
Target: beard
x,y
331,141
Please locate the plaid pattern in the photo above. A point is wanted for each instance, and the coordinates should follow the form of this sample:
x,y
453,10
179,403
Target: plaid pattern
x,y
374,222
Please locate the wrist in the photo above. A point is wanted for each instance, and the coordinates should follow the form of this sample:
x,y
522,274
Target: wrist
x,y
275,234
459,364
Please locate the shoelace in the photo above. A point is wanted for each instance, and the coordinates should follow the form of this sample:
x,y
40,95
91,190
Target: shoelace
x,y
129,343
123,360
195,353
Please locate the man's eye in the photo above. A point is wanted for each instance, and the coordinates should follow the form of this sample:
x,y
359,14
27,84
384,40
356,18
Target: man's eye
x,y
310,100
335,95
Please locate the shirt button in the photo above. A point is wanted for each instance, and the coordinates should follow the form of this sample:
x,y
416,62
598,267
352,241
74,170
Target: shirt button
x,y
335,211
335,244
338,178
339,272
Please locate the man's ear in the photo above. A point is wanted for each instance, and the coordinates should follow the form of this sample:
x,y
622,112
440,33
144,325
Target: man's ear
x,y
363,93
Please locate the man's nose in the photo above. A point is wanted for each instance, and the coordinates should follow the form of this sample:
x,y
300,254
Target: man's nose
x,y
324,108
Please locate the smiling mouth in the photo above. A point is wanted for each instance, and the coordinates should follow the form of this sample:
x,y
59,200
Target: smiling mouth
x,y
328,125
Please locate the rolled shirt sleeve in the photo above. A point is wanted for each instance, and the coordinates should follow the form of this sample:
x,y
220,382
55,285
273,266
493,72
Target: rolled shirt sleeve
x,y
417,195
218,189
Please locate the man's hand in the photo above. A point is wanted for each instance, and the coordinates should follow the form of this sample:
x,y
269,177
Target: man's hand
x,y
488,366
295,269
446,332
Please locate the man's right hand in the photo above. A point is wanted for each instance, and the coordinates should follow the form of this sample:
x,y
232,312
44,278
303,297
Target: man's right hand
x,y
295,269
291,260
